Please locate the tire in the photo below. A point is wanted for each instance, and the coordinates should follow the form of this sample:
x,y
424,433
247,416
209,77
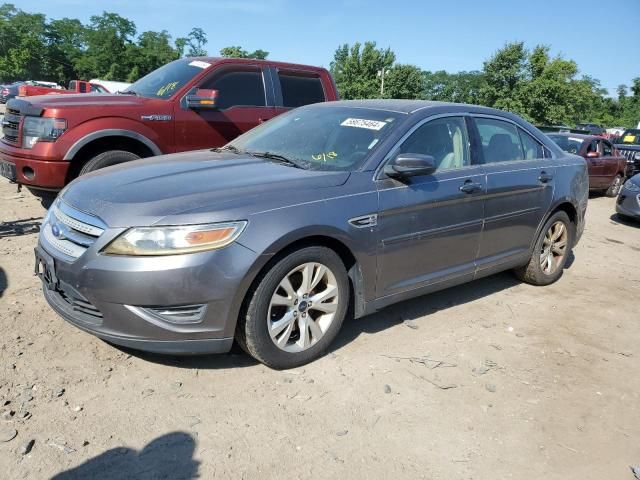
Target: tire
x,y
259,317
107,159
533,272
615,187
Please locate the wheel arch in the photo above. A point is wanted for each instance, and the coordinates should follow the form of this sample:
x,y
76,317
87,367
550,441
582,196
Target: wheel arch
x,y
104,140
354,271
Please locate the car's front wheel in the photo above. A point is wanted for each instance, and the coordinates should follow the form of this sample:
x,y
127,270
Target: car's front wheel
x,y
296,309
550,253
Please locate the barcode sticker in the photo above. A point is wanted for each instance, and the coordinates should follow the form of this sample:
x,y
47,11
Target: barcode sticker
x,y
363,123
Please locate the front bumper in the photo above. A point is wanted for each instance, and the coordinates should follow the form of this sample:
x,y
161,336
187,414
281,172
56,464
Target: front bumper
x,y
37,173
105,295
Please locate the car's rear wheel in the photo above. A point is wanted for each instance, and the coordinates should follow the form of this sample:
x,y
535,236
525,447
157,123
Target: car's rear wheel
x,y
550,253
107,159
296,309
615,187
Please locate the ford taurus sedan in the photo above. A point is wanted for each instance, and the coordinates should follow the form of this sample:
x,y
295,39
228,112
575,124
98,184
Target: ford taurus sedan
x,y
271,238
628,203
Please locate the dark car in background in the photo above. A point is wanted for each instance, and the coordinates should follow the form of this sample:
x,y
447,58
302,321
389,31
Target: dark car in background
x,y
628,204
592,129
7,92
271,238
629,145
607,166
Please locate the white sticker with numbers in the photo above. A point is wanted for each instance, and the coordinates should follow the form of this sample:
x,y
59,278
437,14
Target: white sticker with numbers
x,y
200,64
363,123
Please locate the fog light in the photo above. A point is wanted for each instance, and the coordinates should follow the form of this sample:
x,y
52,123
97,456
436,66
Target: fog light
x,y
184,314
28,173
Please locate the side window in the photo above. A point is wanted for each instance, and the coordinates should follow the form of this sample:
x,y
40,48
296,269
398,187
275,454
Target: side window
x,y
593,146
607,149
238,88
300,89
500,140
445,139
532,148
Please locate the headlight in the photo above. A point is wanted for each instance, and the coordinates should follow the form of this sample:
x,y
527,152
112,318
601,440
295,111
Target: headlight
x,y
41,129
175,240
632,187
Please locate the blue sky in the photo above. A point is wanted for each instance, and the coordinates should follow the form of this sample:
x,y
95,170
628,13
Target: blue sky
x,y
449,35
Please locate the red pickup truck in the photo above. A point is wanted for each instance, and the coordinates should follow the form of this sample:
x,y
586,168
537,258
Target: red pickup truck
x,y
75,86
188,104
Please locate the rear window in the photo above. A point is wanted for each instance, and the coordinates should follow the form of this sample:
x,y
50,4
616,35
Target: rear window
x,y
300,89
568,144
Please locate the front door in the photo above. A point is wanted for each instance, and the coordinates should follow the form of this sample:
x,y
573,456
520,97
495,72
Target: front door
x,y
241,105
520,183
429,226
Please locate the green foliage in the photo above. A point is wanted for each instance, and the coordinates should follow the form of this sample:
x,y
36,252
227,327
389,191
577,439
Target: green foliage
x,y
239,52
62,50
355,70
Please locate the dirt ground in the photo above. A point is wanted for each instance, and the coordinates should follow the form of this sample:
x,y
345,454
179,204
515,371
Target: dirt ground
x,y
490,380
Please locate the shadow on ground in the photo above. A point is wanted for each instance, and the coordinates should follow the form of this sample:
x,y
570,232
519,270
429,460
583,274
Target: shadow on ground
x,y
4,283
18,228
169,456
629,222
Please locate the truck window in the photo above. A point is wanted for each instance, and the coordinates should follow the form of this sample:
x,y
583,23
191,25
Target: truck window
x,y
238,87
300,89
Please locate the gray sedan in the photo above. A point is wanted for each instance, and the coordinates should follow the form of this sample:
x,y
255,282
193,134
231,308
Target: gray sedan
x,y
271,238
628,204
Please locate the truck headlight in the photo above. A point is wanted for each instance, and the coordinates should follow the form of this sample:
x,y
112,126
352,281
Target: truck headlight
x,y
170,240
41,129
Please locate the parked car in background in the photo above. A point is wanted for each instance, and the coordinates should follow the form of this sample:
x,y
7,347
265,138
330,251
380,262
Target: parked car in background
x,y
110,86
75,86
187,104
629,145
269,239
591,128
607,166
628,204
7,92
615,132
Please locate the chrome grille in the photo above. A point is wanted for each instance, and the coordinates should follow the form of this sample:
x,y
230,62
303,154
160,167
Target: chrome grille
x,y
70,231
11,127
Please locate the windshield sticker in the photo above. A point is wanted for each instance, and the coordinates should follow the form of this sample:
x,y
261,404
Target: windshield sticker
x,y
363,123
325,156
628,139
199,64
162,91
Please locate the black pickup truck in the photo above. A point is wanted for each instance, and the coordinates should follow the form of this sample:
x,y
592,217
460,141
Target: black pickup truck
x,y
629,146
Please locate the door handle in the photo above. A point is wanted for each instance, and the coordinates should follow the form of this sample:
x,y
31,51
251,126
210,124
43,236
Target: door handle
x,y
545,177
470,187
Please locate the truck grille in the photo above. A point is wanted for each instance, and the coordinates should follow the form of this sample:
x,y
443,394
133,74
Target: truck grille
x,y
70,231
11,127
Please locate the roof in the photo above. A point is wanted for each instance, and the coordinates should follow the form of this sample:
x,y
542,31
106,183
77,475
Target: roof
x,y
253,61
411,106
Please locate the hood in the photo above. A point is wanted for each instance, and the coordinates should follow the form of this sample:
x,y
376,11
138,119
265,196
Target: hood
x,y
84,100
193,187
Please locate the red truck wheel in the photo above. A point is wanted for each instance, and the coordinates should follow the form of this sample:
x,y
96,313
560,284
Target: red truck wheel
x,y
107,159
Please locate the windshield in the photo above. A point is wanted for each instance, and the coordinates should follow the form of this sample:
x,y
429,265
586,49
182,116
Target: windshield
x,y
166,80
320,137
568,144
631,136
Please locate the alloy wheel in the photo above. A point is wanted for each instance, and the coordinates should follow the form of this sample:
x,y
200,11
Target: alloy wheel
x,y
554,248
303,307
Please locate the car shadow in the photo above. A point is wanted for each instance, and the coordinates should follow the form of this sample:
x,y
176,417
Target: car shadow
x,y
168,456
629,222
17,228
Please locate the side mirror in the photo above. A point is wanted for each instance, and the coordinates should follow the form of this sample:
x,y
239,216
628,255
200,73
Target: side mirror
x,y
410,165
203,99
593,155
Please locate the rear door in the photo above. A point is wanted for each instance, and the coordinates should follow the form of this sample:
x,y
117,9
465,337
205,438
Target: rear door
x,y
520,184
296,87
245,99
611,162
429,226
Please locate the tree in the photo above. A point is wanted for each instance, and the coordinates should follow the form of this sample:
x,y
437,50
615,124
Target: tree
x,y
462,87
505,73
239,52
196,40
356,71
404,81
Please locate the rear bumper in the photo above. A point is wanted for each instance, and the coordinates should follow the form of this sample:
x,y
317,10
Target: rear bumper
x,y
50,175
